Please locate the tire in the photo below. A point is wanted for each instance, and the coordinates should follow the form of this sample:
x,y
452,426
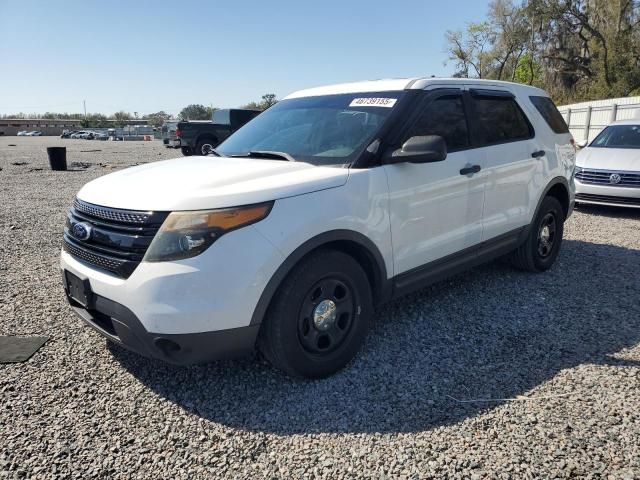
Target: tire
x,y
319,316
209,143
540,250
186,151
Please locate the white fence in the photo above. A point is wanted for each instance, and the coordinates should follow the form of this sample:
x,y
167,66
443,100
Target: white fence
x,y
587,119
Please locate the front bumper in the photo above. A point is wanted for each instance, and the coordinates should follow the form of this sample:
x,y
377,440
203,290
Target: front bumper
x,y
607,195
216,290
120,325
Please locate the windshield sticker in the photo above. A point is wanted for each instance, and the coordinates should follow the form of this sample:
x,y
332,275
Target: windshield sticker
x,y
373,102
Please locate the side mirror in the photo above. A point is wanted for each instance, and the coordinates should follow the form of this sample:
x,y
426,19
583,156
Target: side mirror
x,y
422,149
582,143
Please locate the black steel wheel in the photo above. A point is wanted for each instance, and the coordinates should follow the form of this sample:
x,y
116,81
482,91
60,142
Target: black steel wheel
x,y
542,246
546,235
326,316
319,316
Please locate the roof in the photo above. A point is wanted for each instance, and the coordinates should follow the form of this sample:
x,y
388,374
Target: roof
x,y
397,84
632,121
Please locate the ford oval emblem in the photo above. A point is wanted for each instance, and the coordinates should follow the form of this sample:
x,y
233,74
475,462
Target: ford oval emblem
x,y
81,231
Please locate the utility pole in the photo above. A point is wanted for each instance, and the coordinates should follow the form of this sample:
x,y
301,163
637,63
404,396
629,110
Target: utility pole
x,y
84,105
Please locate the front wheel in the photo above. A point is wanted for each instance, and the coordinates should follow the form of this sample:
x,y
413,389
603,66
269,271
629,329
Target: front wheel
x,y
186,151
540,250
319,316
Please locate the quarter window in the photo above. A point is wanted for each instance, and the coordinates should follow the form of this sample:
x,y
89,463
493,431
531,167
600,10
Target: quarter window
x,y
500,120
445,117
550,113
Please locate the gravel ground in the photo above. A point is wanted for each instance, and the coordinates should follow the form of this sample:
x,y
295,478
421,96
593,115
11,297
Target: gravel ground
x,y
492,374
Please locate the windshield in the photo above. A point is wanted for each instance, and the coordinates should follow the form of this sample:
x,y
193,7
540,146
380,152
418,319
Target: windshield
x,y
322,130
618,136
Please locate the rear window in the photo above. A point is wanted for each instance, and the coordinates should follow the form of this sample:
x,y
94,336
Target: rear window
x,y
221,117
550,113
500,120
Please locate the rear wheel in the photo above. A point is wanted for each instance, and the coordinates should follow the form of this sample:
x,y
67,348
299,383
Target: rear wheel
x,y
319,316
204,147
542,246
186,151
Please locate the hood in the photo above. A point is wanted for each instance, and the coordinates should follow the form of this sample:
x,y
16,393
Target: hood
x,y
609,158
197,183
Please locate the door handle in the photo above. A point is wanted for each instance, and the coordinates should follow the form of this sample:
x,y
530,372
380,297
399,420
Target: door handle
x,y
538,154
470,170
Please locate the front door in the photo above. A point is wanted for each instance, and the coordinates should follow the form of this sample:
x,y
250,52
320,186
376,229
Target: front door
x,y
436,208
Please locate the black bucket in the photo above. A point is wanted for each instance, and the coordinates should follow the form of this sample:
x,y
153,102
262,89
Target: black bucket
x,y
57,157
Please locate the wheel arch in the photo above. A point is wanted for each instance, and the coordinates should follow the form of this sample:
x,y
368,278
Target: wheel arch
x,y
206,136
353,243
559,189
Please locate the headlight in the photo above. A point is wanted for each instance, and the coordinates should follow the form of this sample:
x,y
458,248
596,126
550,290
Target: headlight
x,y
187,234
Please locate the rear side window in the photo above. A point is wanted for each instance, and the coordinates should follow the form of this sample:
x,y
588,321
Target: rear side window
x,y
445,117
550,113
500,120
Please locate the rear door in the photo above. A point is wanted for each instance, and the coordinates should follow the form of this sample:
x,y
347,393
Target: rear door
x,y
505,139
435,208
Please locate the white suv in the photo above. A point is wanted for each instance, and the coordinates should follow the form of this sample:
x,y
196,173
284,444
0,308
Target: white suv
x,y
331,202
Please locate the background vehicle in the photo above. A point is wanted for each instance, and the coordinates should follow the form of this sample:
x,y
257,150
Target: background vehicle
x,y
83,134
68,133
169,137
198,138
35,133
608,169
22,133
285,239
100,136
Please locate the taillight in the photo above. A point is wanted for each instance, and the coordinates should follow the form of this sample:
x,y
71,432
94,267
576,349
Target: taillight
x,y
178,131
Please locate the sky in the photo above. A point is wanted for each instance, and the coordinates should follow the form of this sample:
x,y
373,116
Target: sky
x,y
146,56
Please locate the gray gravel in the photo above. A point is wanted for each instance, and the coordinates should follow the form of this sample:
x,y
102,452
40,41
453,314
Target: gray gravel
x,y
493,374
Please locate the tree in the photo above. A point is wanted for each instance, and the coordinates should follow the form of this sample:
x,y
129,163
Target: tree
x,y
158,118
121,118
268,99
97,120
575,49
196,112
469,49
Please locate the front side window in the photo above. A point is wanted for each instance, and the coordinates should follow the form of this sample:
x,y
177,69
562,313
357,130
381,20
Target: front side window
x,y
321,130
618,136
445,117
500,120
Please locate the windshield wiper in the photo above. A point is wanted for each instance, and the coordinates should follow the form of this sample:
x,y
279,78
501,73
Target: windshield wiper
x,y
268,154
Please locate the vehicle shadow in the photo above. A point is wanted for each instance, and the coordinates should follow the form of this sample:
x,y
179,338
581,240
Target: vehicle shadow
x,y
491,333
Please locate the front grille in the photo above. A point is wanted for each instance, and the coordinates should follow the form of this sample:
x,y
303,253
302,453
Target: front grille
x,y
603,177
608,199
108,263
118,239
104,213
